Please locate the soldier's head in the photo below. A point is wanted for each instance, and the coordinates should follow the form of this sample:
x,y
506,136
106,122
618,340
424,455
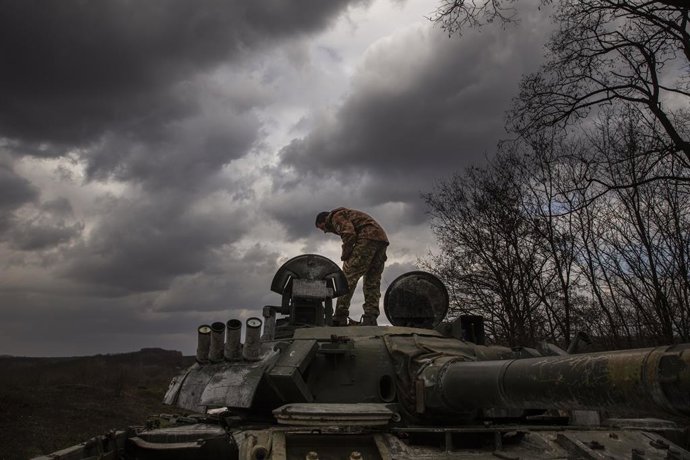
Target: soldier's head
x,y
321,220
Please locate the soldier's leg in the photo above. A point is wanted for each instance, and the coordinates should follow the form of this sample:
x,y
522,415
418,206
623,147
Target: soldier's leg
x,y
353,268
372,280
342,305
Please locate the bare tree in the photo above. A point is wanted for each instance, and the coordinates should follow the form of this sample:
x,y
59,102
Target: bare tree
x,y
547,174
607,52
455,16
646,244
523,242
488,255
610,317
603,223
603,52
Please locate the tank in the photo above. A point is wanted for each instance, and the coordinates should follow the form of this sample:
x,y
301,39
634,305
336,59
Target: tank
x,y
287,385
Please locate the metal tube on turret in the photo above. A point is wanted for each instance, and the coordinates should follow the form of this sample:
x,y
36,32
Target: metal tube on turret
x,y
203,343
233,346
252,340
652,380
215,354
269,315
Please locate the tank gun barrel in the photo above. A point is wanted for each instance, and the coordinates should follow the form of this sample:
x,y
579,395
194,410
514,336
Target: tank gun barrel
x,y
652,380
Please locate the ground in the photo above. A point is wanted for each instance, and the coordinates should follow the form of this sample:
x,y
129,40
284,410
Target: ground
x,y
47,404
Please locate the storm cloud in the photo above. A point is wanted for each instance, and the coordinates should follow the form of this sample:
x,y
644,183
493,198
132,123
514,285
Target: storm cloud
x,y
159,160
420,105
74,69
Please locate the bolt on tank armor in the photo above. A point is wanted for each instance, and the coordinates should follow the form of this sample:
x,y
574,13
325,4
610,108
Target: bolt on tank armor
x,y
421,388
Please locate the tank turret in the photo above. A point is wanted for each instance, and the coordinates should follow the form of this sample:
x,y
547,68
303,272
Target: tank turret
x,y
288,385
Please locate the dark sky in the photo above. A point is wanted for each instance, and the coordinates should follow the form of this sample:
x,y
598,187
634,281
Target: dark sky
x,y
159,160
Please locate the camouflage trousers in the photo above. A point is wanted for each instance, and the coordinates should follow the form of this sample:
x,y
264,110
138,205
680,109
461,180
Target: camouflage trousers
x,y
367,260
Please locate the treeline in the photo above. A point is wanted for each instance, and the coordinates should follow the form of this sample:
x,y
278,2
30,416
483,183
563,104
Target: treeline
x,y
583,222
560,235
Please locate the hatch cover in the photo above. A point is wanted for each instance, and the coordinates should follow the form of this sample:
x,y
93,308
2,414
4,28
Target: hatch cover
x,y
310,267
416,299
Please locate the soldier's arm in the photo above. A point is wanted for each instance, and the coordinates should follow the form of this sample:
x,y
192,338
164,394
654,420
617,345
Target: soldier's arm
x,y
346,230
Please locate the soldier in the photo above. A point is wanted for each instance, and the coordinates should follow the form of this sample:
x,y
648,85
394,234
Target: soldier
x,y
363,254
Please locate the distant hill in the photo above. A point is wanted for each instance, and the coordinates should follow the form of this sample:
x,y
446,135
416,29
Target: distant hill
x,y
47,404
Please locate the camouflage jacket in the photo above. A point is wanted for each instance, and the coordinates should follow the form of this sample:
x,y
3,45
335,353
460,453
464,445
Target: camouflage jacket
x,y
353,225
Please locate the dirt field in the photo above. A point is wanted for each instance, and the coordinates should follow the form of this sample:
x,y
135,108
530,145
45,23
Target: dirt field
x,y
48,404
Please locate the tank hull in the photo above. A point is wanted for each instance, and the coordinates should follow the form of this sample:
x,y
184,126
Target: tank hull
x,y
648,439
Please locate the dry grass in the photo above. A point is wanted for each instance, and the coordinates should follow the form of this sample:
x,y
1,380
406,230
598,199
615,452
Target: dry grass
x,y
48,404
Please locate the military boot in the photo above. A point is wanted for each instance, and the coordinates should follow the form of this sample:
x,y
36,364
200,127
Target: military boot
x,y
369,320
339,321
